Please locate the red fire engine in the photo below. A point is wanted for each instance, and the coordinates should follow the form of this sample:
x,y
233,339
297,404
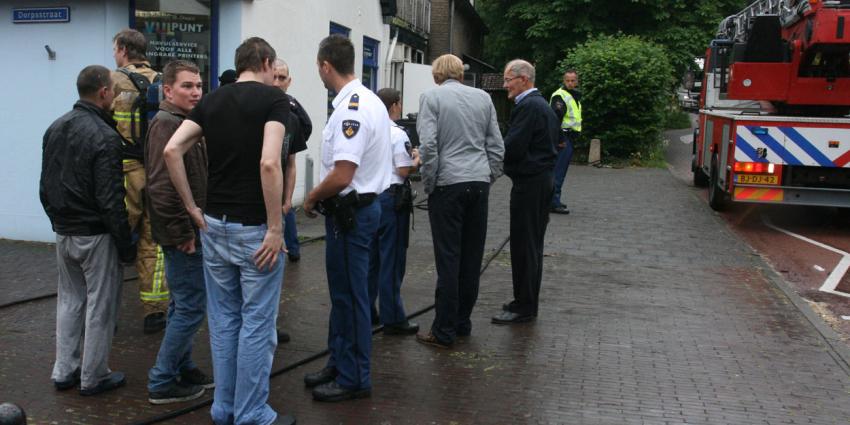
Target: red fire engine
x,y
773,125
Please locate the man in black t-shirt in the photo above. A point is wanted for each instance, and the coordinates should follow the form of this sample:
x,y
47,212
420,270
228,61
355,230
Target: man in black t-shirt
x,y
243,125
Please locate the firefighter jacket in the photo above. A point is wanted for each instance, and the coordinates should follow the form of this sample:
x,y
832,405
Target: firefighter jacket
x,y
567,109
170,223
82,184
125,95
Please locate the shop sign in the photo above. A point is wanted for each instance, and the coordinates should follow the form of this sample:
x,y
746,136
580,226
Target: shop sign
x,y
41,15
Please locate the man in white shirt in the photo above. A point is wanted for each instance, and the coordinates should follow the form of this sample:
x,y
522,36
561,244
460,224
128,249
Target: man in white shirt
x,y
389,250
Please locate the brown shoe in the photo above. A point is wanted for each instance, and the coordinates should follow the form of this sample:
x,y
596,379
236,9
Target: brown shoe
x,y
431,340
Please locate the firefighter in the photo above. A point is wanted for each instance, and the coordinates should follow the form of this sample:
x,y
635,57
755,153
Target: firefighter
x,y
566,101
129,48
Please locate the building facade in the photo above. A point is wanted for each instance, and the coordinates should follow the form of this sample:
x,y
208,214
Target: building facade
x,y
457,28
47,42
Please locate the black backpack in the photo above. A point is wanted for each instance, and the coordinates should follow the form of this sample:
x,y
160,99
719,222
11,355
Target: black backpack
x,y
145,105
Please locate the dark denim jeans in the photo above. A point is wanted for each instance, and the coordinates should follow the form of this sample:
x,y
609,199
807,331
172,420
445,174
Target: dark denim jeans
x,y
290,234
186,310
562,165
458,216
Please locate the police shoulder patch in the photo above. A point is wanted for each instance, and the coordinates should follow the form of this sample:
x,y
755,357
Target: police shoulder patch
x,y
350,128
354,102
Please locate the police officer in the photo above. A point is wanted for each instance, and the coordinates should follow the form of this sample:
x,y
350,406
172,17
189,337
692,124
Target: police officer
x,y
356,166
389,250
566,101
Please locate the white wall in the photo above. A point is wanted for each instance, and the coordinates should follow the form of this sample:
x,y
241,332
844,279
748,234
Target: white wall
x,y
36,91
295,28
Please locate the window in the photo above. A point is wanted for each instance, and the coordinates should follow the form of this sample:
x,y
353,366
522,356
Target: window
x,y
370,63
178,29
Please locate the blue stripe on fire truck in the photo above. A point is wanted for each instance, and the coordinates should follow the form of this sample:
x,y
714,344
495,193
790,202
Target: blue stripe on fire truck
x,y
807,146
747,149
775,147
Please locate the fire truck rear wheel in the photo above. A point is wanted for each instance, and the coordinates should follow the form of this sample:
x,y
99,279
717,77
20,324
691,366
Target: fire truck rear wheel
x,y
716,195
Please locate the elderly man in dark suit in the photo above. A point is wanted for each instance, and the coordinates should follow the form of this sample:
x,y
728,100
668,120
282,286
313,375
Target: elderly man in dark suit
x,y
529,161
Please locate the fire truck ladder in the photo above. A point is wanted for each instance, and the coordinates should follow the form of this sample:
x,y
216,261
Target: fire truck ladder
x,y
735,27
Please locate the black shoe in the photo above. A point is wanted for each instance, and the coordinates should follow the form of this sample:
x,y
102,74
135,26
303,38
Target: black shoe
x,y
323,376
293,258
509,317
559,210
176,394
112,381
282,337
154,323
69,381
402,328
331,391
196,377
284,420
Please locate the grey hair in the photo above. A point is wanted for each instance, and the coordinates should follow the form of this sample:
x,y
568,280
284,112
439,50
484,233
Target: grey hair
x,y
519,67
280,62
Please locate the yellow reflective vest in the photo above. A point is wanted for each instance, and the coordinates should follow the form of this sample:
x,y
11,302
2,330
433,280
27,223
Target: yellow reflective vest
x,y
572,117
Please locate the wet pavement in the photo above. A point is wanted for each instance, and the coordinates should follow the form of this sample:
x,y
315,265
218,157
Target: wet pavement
x,y
652,312
774,231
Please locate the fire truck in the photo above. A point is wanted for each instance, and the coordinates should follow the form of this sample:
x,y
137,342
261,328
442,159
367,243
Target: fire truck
x,y
773,125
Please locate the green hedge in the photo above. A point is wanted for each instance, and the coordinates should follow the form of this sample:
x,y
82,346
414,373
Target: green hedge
x,y
626,84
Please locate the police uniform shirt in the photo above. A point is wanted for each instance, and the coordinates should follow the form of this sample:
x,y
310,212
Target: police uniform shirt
x,y
358,131
401,152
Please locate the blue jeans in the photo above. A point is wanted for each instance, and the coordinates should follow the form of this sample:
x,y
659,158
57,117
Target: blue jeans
x,y
242,305
185,275
562,164
290,234
347,264
388,261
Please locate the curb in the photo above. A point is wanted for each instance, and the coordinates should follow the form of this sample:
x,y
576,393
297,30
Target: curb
x,y
829,335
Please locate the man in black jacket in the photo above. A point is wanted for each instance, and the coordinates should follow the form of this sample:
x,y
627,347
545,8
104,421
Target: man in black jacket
x,y
82,191
529,161
298,130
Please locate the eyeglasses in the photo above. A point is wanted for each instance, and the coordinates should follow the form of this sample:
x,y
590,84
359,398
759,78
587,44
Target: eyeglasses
x,y
281,77
509,79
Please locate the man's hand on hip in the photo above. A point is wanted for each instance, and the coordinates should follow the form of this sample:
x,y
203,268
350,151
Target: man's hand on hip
x,y
267,255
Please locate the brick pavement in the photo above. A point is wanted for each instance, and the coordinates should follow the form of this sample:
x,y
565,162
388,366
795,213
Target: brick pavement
x,y
652,313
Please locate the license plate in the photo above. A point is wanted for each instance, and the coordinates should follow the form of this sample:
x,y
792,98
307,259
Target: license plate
x,y
756,179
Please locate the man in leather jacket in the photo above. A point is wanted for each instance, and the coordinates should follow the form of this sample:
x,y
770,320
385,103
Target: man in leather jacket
x,y
82,191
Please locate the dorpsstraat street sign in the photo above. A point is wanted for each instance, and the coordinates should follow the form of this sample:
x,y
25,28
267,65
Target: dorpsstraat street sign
x,y
41,15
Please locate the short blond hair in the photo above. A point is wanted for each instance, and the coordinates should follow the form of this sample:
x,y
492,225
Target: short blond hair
x,y
446,67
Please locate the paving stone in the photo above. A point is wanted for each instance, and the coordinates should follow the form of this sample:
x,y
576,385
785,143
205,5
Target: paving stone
x,y
652,312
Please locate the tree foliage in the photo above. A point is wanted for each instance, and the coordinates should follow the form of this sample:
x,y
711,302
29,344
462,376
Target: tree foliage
x,y
625,82
543,31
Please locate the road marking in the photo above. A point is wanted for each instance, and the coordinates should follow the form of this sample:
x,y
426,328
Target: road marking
x,y
837,273
686,139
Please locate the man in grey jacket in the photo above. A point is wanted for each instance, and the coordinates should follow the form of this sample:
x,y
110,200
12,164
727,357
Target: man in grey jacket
x,y
462,151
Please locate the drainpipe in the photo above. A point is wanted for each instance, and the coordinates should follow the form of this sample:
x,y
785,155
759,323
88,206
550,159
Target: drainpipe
x,y
451,24
388,72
